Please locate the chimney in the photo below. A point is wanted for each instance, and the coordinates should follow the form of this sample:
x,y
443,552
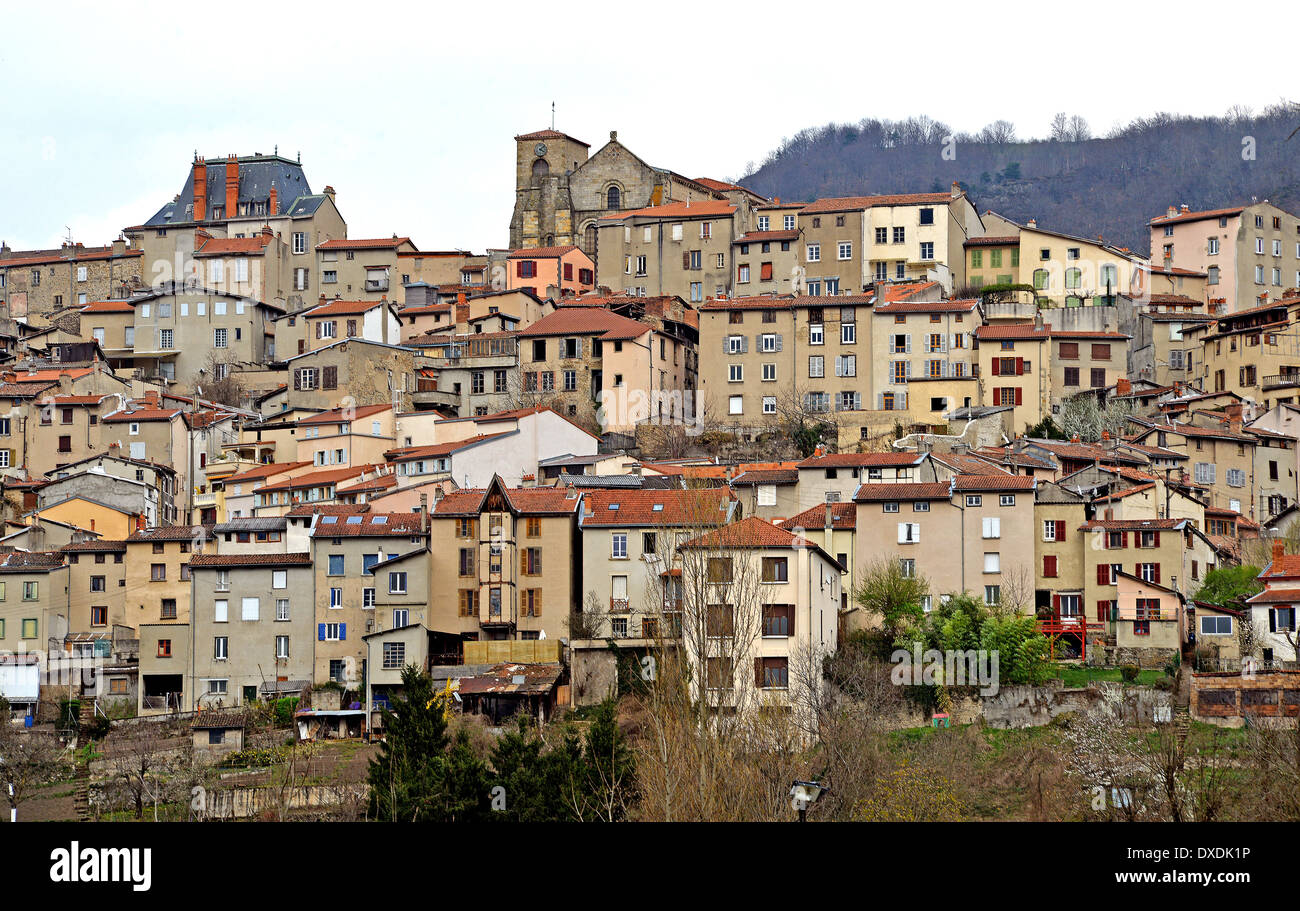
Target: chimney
x,y
1184,208
462,308
1171,212
232,186
200,189
1279,548
424,513
1105,436
273,208
1032,223
329,191
1123,386
957,191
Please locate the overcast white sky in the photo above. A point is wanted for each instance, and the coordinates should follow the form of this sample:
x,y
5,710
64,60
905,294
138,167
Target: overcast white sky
x,y
409,112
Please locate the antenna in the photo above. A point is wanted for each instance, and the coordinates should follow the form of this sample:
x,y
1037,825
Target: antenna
x,y
552,115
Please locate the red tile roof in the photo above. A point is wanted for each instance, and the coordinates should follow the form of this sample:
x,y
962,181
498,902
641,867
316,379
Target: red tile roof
x,y
171,533
1064,333
116,306
585,321
751,532
411,453
897,291
1132,524
852,203
327,509
844,516
319,478
748,303
720,185
766,476
264,471
141,414
1195,216
81,255
945,306
1014,331
344,308
863,460
372,525
1276,596
540,252
1286,565
338,414
200,561
702,208
702,508
1006,240
880,492
225,246
1003,482
52,374
376,243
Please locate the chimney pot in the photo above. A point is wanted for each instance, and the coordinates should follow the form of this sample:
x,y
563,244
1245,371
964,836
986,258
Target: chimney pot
x,y
1279,549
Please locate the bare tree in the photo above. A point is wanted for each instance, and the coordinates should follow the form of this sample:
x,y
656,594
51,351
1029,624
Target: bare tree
x,y
28,759
219,380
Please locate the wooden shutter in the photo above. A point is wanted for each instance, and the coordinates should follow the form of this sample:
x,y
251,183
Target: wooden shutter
x,y
1157,539
1156,577
1123,539
997,395
1049,566
1020,398
537,602
686,259
1103,574
1102,607
329,377
343,632
519,268
320,632
297,379
1020,366
1272,619
1056,604
1060,529
758,673
997,368
523,562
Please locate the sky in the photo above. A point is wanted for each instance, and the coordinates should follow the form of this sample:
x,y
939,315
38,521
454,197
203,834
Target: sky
x,y
409,111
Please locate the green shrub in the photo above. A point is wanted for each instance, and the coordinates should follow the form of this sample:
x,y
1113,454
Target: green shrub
x,y
1129,672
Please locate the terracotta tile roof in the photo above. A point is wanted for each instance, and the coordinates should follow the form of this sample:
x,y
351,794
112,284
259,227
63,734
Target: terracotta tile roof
x,y
343,308
1128,491
30,561
1003,482
749,303
171,533
336,416
550,134
199,561
585,321
880,492
382,482
426,310
751,532
22,390
411,453
1195,216
1014,331
844,516
758,237
540,252
1284,566
1191,430
766,476
863,460
52,375
225,246
852,203
1174,270
1005,240
376,243
702,208
720,185
1132,524
141,414
77,399
524,500
264,471
98,546
319,478
897,291
1063,333
1276,596
370,525
327,509
218,719
944,306
82,255
115,306
605,508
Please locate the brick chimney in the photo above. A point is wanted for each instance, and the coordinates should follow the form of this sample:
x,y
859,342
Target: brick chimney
x,y
1123,386
273,208
232,186
1171,212
462,308
200,189
1279,548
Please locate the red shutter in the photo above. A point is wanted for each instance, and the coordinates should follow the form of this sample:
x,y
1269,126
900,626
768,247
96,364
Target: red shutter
x,y
1157,544
997,393
1060,529
1103,574
1123,537
1156,577
1103,609
997,368
1056,604
1020,398
758,673
519,268
1020,366
1049,566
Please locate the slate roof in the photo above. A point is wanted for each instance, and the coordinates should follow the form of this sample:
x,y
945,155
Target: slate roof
x,y
256,175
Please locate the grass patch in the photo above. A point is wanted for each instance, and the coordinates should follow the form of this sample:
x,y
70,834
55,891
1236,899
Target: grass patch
x,y
1077,675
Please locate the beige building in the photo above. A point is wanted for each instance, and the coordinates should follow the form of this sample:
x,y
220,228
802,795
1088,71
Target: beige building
x,y
509,560
1070,271
1015,369
923,356
679,248
366,372
360,268
96,585
254,624
971,533
1220,460
41,281
1086,360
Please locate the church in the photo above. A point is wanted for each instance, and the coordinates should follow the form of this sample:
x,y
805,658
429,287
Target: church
x,y
562,191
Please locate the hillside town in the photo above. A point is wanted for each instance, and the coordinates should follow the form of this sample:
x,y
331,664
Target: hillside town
x,y
254,467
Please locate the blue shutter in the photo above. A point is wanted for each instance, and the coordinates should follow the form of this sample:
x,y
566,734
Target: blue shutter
x,y
343,631
320,632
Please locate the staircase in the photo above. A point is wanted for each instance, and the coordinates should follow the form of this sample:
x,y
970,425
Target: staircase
x,y
1182,710
81,791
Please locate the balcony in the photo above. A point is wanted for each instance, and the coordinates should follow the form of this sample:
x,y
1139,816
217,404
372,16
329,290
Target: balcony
x,y
1287,380
619,606
376,284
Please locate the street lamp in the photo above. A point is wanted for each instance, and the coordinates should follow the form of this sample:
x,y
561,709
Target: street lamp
x,y
804,794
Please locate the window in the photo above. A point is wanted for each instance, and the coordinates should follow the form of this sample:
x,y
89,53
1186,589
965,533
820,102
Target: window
x,y
900,235
992,563
336,564
395,652
168,609
772,673
816,366
992,594
397,583
282,609
927,250
776,569
848,333
618,545
814,253
992,527
1216,626
845,250
735,404
909,532
769,404
220,646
